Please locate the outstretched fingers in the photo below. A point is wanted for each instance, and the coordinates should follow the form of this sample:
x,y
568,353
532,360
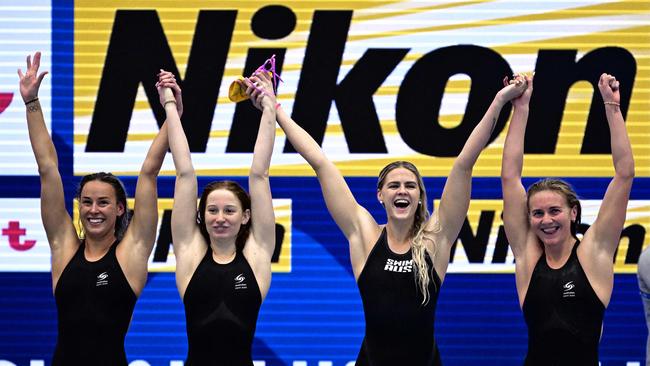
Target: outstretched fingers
x,y
30,80
37,61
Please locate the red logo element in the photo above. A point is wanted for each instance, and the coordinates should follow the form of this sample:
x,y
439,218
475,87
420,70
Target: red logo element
x,y
5,100
14,232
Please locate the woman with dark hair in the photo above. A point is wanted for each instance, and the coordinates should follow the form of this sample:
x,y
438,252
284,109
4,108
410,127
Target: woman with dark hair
x,y
223,251
97,277
400,266
564,284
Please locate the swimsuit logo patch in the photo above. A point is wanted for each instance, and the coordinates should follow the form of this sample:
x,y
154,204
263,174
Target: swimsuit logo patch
x,y
239,282
398,266
102,279
567,289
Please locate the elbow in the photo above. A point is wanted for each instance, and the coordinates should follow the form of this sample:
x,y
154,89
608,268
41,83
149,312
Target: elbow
x,y
510,170
464,164
259,174
48,168
321,164
150,170
626,170
509,176
185,174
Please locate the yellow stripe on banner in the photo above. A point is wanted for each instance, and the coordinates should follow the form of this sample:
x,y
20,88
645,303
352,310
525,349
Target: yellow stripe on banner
x,y
634,39
416,10
598,10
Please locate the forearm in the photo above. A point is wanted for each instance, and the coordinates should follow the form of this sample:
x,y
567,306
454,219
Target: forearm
x,y
620,142
146,192
264,144
39,137
178,143
156,154
513,148
480,136
40,140
301,141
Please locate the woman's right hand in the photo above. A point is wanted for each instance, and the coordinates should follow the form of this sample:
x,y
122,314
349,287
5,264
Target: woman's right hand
x,y
524,98
259,87
513,88
30,82
609,88
167,80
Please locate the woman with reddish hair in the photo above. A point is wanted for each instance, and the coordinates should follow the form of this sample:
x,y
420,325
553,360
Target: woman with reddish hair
x,y
223,251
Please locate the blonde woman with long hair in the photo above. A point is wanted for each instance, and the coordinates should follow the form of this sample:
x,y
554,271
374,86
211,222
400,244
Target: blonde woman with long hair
x,y
399,266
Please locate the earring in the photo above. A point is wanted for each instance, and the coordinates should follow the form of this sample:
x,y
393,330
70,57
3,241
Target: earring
x,y
419,202
381,202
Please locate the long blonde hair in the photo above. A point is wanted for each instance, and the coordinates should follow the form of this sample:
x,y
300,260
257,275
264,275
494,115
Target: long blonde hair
x,y
417,232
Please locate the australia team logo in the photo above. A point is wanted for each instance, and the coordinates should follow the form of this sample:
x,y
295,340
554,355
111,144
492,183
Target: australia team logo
x,y
393,265
240,282
102,279
568,290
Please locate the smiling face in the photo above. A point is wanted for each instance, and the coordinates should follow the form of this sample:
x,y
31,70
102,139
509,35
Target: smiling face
x,y
551,217
99,209
224,215
400,194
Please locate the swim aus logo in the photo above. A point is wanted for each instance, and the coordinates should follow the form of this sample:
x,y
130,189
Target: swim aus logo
x,y
568,287
240,283
398,266
102,279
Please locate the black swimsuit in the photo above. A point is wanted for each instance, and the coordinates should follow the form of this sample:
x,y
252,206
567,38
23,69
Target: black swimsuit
x,y
564,315
222,302
399,328
94,305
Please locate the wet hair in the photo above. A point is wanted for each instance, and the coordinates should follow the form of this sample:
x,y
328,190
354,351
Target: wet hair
x,y
564,189
122,221
417,232
244,200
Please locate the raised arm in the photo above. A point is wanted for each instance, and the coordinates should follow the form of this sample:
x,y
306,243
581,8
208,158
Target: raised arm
x,y
260,249
61,234
136,247
522,239
606,230
354,221
456,193
515,212
186,237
